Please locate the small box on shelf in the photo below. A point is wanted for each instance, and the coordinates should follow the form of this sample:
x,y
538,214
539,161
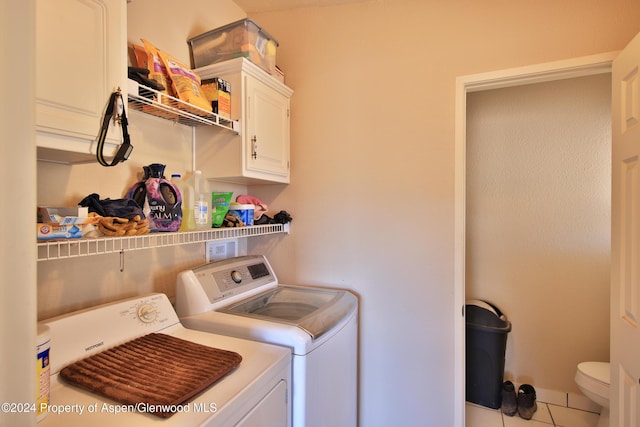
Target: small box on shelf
x,y
63,223
218,92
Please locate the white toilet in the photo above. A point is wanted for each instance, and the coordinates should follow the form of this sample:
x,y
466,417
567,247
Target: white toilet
x,y
593,379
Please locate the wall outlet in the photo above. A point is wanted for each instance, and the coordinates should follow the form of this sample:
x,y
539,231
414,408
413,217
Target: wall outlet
x,y
221,249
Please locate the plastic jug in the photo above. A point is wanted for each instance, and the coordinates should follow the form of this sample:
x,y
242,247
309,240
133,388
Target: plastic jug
x,y
159,199
188,221
199,199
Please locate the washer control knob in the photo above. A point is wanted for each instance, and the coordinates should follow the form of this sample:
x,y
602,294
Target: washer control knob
x,y
147,313
236,276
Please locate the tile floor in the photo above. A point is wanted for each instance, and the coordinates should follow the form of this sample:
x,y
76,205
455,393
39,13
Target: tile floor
x,y
547,415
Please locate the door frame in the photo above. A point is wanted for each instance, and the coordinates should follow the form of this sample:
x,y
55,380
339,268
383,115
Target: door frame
x,y
550,71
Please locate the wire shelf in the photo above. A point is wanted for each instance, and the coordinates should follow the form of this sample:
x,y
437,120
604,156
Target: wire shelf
x,y
150,101
75,248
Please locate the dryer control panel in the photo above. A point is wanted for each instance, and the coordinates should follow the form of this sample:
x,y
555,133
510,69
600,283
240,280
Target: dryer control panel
x,y
82,333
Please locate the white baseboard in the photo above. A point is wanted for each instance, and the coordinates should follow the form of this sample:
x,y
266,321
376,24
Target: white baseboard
x,y
580,401
569,400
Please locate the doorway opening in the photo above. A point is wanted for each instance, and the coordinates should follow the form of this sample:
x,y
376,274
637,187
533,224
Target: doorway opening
x,y
597,64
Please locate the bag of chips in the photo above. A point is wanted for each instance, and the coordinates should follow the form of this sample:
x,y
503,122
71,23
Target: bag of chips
x,y
186,83
157,69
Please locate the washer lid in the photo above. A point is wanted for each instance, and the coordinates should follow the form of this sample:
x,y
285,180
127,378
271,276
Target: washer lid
x,y
312,309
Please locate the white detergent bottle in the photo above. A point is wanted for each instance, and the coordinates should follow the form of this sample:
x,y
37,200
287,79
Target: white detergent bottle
x,y
202,205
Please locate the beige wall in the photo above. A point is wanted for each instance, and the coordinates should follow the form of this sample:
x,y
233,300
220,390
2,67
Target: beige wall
x,y
372,191
538,221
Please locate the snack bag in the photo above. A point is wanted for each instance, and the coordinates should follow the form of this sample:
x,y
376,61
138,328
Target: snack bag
x,y
157,69
220,206
186,83
138,56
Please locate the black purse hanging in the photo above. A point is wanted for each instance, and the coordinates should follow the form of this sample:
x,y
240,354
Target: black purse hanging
x,y
124,150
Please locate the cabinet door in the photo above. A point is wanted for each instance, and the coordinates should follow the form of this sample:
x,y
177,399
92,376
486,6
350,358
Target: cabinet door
x,y
80,55
272,410
266,130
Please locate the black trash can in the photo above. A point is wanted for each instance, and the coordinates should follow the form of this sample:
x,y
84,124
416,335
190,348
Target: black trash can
x,y
486,342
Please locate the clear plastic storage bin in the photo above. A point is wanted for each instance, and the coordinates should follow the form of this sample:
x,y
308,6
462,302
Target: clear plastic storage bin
x,y
241,38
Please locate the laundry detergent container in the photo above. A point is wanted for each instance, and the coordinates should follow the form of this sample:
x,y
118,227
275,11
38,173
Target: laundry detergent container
x,y
486,342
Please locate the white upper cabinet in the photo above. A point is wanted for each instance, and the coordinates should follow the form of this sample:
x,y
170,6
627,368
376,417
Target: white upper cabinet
x,y
267,128
261,103
80,61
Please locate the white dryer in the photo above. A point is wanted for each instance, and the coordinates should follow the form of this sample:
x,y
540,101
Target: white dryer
x,y
255,393
241,297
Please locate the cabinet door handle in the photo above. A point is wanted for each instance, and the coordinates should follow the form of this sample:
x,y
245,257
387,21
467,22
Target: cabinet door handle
x,y
254,147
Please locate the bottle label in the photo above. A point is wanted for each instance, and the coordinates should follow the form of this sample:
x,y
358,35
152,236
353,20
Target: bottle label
x,y
201,212
42,376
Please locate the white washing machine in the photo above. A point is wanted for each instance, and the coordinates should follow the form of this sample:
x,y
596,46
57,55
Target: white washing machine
x,y
241,297
255,393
